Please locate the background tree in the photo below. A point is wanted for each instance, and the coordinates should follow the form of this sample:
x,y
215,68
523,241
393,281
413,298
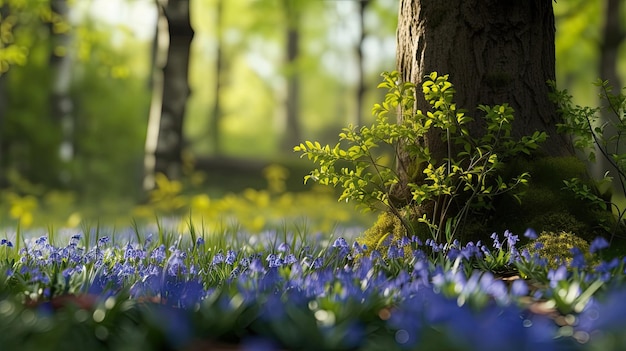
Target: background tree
x,y
360,85
613,34
292,10
164,140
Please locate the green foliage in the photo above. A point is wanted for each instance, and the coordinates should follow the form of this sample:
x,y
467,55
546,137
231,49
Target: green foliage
x,y
545,205
556,247
598,129
460,184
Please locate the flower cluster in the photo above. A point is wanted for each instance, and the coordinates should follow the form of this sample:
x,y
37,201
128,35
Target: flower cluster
x,y
414,292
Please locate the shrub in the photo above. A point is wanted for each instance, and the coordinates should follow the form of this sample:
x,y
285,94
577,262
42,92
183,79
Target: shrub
x,y
442,193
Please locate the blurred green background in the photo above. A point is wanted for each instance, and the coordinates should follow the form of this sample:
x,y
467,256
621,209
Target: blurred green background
x,y
78,79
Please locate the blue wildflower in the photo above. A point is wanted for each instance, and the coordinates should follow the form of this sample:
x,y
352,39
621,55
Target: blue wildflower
x,y
519,288
218,258
599,243
530,234
291,259
200,241
256,265
557,275
578,258
340,242
496,241
231,257
318,263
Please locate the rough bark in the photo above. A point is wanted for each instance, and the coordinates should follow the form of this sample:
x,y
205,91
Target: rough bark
x,y
164,142
494,51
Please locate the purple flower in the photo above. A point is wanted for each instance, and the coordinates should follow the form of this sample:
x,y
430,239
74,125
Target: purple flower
x,y
284,247
511,239
340,242
598,244
530,233
231,256
519,288
199,241
578,260
291,259
557,275
496,241
158,254
218,258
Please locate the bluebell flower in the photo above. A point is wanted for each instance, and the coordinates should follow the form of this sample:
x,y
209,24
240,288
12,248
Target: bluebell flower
x,y
231,257
557,275
291,259
416,240
218,258
41,240
599,243
318,263
340,242
395,252
200,241
404,241
104,240
578,258
358,248
284,247
511,239
158,254
519,288
175,265
276,262
496,241
530,234
256,265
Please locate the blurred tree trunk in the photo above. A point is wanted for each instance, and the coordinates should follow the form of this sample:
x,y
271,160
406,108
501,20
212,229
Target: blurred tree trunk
x,y
164,139
292,99
494,51
4,12
60,62
219,58
612,37
361,86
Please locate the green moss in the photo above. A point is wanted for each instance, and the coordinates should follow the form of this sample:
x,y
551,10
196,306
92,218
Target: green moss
x,y
387,229
546,205
556,247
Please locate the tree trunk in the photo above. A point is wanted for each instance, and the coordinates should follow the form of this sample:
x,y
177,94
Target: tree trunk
x,y
219,59
61,104
361,87
4,11
164,140
494,51
292,98
612,37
